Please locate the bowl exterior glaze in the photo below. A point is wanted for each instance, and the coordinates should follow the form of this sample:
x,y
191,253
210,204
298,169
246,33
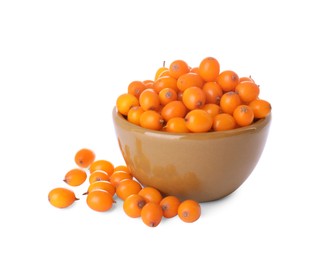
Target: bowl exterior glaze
x,y
199,166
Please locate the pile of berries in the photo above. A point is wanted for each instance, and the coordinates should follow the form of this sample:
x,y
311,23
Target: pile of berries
x,y
183,99
109,183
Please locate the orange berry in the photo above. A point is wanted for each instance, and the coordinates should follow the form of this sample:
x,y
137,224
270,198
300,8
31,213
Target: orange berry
x,y
159,71
133,205
100,200
84,157
176,125
151,214
167,95
261,108
149,100
246,79
127,187
163,73
102,165
118,176
193,98
209,69
151,119
194,69
212,109
228,80
61,197
248,91
243,115
101,185
122,168
170,205
198,121
223,121
125,102
148,83
75,177
136,87
134,115
173,109
151,194
188,80
98,175
163,82
229,101
189,211
213,92
178,68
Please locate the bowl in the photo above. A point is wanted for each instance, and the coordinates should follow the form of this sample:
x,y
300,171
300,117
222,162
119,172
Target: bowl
x,y
200,166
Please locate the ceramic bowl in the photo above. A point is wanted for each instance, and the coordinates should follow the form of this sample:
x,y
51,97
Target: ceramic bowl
x,y
199,166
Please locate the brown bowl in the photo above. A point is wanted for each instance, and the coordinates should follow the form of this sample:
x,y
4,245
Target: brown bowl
x,y
199,166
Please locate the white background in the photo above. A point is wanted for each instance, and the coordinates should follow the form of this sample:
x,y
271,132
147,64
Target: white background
x,y
62,65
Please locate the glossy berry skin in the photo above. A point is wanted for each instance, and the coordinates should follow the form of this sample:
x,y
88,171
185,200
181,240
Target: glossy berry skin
x,y
61,197
84,157
189,211
100,200
75,177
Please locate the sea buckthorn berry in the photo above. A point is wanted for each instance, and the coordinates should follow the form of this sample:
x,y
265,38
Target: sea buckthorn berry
x,y
228,80
198,121
170,205
164,81
61,197
118,176
127,187
100,200
98,175
188,80
134,114
249,78
151,194
194,69
84,157
136,87
125,102
148,83
149,100
152,214
178,68
213,92
159,71
189,211
133,205
151,119
212,109
194,98
101,185
209,69
122,168
248,91
261,108
102,165
176,125
174,109
164,73
224,121
243,115
75,177
229,101
167,95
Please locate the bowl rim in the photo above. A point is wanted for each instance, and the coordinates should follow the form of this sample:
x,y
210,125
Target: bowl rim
x,y
259,124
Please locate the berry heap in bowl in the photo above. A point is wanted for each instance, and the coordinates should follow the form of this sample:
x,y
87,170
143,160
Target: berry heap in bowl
x,y
192,131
